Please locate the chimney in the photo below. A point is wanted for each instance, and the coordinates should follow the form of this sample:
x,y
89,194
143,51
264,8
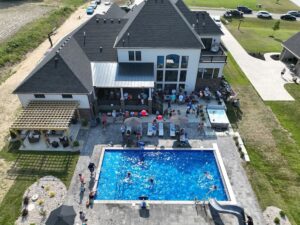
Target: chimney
x,y
55,62
100,49
84,37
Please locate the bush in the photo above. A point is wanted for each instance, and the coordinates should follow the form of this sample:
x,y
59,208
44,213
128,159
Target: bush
x,y
24,212
282,214
235,138
240,149
277,220
47,188
84,122
242,154
203,118
41,202
26,200
43,212
75,144
51,194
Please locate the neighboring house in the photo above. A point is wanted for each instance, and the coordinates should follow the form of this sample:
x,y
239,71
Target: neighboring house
x,y
291,52
117,60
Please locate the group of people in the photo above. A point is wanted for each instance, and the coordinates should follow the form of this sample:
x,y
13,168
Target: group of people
x,y
128,179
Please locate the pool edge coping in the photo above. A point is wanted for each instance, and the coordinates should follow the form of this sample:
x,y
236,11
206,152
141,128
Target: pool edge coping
x,y
219,161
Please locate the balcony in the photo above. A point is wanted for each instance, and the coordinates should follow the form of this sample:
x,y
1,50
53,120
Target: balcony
x,y
208,56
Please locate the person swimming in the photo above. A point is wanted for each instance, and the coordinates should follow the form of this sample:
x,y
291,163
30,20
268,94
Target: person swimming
x,y
151,180
128,178
208,175
213,187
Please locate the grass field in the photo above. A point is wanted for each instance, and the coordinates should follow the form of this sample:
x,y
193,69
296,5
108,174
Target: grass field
x,y
270,5
27,168
274,147
254,34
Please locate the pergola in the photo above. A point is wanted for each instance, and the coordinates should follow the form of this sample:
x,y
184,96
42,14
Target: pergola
x,y
45,115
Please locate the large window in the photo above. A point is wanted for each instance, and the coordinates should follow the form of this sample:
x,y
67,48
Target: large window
x,y
184,61
171,75
172,61
182,77
131,55
138,56
216,73
39,96
170,87
160,61
207,43
160,75
207,73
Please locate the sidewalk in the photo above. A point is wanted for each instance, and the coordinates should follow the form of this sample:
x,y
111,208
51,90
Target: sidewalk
x,y
265,75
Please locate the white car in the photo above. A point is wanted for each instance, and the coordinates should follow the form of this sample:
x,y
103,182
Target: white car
x,y
264,15
106,2
217,20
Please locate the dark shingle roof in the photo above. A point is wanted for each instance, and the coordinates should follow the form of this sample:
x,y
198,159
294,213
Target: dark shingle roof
x,y
293,44
102,34
115,12
159,23
205,25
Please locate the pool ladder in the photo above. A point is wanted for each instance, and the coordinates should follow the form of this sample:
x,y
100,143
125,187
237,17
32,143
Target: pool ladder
x,y
197,204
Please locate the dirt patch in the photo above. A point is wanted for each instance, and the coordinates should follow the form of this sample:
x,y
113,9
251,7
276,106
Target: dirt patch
x,y
14,15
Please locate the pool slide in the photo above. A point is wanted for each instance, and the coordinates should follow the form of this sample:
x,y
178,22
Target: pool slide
x,y
229,209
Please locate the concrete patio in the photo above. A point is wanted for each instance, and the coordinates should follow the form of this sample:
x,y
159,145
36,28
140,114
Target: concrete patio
x,y
163,213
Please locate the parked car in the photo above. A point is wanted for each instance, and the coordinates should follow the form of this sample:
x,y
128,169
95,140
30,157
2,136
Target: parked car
x,y
94,5
288,17
294,13
90,10
125,8
106,2
264,15
98,2
244,9
233,13
217,20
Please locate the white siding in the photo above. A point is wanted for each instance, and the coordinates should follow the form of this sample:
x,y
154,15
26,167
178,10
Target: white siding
x,y
150,55
83,99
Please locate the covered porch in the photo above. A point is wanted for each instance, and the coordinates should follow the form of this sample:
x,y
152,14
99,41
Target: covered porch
x,y
123,86
47,126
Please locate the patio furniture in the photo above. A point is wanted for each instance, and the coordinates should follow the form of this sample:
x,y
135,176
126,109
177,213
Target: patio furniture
x,y
150,129
54,144
172,130
160,129
33,137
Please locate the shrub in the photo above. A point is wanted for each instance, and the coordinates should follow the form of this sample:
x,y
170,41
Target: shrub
x,y
47,188
75,144
237,143
84,122
26,200
277,220
203,118
235,138
282,214
51,194
43,212
240,149
41,202
24,212
242,155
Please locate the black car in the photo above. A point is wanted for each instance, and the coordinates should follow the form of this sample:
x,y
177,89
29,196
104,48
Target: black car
x,y
233,14
294,13
288,17
244,9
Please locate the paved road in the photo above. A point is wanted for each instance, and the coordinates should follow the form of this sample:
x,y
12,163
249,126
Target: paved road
x,y
220,12
263,74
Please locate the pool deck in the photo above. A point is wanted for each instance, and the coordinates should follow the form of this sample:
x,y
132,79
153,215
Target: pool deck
x,y
179,214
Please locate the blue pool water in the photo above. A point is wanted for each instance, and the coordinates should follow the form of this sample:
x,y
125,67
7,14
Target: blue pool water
x,y
177,175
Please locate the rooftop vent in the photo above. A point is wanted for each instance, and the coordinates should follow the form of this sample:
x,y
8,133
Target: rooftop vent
x,y
97,20
104,20
128,34
119,20
100,49
84,37
203,24
55,62
123,42
112,20
193,25
57,52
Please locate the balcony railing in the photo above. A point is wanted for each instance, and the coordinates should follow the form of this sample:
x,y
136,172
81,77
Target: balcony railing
x,y
213,59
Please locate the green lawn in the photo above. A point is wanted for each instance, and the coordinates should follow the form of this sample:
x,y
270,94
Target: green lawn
x,y
270,5
254,34
274,169
27,168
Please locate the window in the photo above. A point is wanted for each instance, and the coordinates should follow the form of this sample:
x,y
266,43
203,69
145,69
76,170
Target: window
x,y
39,96
138,56
131,55
159,75
208,72
184,61
216,73
172,61
159,86
160,61
181,87
171,75
67,96
182,77
207,43
170,87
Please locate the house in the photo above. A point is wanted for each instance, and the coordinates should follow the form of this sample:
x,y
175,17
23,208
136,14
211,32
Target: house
x,y
291,52
117,60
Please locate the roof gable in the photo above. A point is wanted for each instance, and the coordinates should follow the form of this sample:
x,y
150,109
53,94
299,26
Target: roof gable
x,y
293,44
158,24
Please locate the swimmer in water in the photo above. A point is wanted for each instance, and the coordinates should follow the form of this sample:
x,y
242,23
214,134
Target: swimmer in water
x,y
213,188
208,175
151,180
128,178
128,175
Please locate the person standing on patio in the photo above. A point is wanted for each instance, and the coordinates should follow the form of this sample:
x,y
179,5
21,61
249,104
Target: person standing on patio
x,y
104,120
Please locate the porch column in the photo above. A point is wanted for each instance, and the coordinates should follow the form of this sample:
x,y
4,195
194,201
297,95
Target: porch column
x,y
150,101
122,100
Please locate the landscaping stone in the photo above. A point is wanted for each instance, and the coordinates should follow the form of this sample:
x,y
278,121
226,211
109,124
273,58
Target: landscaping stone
x,y
271,213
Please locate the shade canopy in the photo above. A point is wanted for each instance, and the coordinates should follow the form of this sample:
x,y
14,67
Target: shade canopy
x,y
63,215
133,122
46,115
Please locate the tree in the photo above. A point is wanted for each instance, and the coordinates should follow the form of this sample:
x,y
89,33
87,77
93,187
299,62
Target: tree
x,y
275,27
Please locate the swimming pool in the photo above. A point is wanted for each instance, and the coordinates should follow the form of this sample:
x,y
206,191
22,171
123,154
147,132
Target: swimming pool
x,y
161,175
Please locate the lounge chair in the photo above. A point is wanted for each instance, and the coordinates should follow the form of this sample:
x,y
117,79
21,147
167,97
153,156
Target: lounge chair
x,y
160,129
150,129
172,130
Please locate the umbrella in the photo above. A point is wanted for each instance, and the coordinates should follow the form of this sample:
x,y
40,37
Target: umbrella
x,y
133,122
159,117
63,215
144,112
181,121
